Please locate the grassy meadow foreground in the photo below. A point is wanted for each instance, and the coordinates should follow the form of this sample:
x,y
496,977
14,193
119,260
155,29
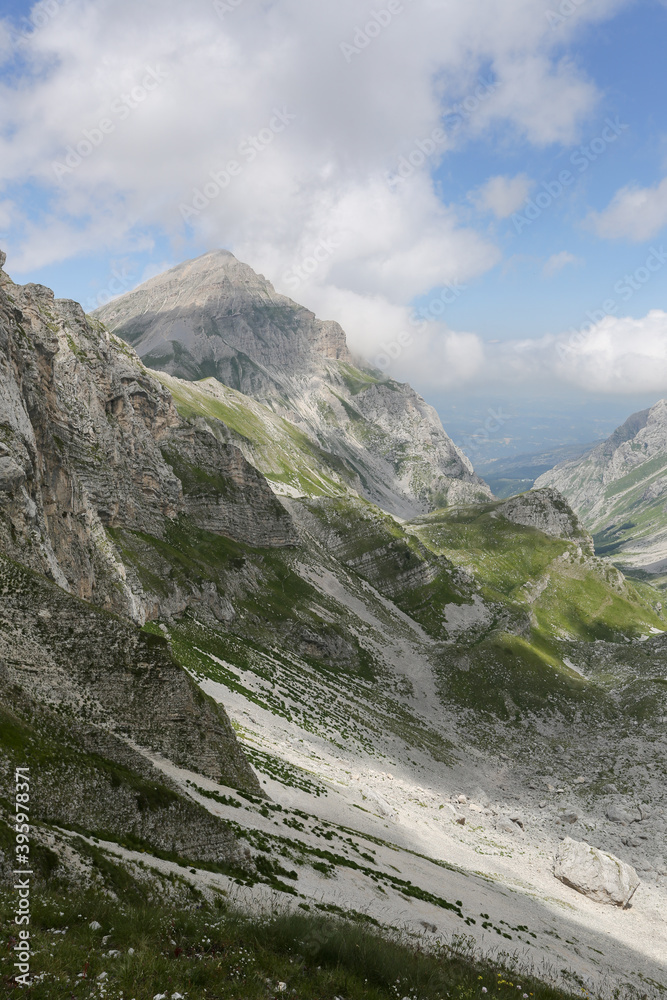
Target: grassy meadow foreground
x,y
88,945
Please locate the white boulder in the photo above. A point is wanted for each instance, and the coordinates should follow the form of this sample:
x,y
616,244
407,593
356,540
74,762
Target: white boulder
x,y
600,876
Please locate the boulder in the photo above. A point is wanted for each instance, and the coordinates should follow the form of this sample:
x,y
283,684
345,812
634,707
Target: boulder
x,y
504,825
10,473
617,814
600,876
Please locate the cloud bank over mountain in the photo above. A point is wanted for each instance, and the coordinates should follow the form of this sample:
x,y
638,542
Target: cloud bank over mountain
x,y
287,137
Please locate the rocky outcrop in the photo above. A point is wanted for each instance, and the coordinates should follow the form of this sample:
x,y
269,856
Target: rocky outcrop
x,y
601,877
62,652
547,511
214,316
222,492
84,430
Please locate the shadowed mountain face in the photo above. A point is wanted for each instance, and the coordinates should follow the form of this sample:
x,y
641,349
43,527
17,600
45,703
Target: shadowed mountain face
x,y
86,437
619,490
215,317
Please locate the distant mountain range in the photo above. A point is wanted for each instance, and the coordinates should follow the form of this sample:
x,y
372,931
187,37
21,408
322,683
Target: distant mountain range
x,y
367,434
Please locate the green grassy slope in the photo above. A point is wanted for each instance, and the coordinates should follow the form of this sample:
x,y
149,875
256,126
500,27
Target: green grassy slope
x,y
530,604
547,598
163,937
290,459
619,490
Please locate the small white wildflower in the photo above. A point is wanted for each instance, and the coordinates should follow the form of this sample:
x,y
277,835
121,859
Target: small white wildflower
x,y
103,975
282,987
95,926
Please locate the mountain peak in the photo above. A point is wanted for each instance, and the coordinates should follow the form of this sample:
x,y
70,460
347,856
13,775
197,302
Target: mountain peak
x,y
214,317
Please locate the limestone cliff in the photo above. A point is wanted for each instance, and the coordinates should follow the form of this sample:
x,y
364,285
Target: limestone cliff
x,y
90,441
91,445
107,677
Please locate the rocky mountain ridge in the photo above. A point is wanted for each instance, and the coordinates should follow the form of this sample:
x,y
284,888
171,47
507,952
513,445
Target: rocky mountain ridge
x,y
215,317
619,490
86,436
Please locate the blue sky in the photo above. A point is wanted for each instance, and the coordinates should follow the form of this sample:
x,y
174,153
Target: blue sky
x,y
333,107
625,58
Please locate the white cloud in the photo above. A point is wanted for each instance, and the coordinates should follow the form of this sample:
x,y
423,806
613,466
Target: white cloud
x,y
426,353
502,195
617,355
441,359
634,213
558,261
324,175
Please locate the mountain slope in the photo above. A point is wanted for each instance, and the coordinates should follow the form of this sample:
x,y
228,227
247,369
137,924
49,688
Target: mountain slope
x,y
215,317
84,694
429,705
619,490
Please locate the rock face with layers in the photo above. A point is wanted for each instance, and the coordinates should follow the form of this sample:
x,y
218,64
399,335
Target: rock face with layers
x,y
89,443
86,438
600,876
60,650
214,316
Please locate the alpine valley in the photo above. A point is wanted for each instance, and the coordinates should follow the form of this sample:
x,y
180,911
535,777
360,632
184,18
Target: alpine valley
x,y
270,647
